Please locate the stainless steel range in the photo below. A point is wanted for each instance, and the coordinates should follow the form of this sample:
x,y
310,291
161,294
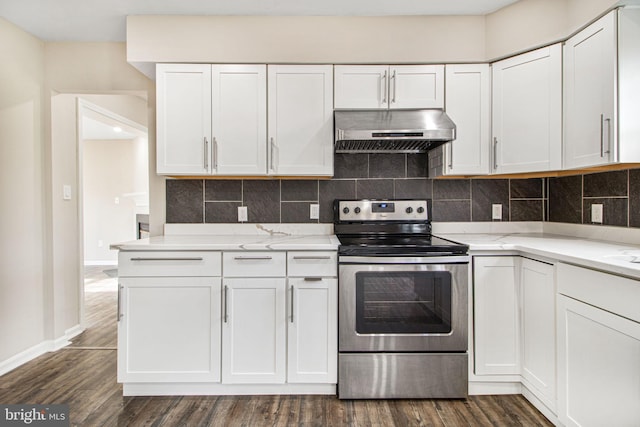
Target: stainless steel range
x,y
402,303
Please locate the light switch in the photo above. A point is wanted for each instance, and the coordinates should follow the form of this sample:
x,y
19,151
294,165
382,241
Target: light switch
x,y
116,200
314,211
66,192
242,214
496,211
596,213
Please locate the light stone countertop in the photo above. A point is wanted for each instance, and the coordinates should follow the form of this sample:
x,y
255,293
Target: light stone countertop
x,y
214,242
600,255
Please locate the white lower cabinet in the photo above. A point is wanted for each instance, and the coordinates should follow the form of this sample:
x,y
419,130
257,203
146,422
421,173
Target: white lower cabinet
x,y
253,331
495,315
237,322
598,348
169,329
312,330
514,324
538,325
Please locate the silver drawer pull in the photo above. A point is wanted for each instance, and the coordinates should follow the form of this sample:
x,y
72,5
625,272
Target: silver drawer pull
x,y
312,279
312,257
169,259
246,258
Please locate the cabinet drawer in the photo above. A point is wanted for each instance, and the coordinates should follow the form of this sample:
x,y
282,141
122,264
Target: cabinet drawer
x,y
312,264
169,264
254,264
619,295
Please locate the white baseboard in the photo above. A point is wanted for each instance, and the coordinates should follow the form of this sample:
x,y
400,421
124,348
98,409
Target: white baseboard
x,y
541,406
39,349
25,356
487,387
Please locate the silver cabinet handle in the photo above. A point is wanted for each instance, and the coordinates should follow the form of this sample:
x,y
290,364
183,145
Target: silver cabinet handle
x,y
450,156
272,150
291,304
169,259
118,309
215,154
313,279
225,310
206,152
395,84
608,150
245,258
311,257
495,152
384,90
601,135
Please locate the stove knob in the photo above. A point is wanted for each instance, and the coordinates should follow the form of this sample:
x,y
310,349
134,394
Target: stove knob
x,y
345,211
420,209
409,210
357,210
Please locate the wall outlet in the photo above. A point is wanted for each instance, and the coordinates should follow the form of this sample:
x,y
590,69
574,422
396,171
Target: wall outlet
x,y
116,200
100,243
596,213
314,211
243,216
496,211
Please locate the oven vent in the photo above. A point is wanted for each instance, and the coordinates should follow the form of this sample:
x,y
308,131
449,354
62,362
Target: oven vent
x,y
383,146
391,131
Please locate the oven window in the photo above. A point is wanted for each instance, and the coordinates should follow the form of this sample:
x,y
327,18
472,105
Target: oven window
x,y
403,302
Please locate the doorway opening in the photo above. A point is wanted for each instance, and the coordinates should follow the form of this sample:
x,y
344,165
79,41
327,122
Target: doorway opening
x,y
113,175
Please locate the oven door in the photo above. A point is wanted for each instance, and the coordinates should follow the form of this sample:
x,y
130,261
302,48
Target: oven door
x,y
403,304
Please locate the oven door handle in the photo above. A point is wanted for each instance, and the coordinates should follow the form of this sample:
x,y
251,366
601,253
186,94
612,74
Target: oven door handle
x,y
440,259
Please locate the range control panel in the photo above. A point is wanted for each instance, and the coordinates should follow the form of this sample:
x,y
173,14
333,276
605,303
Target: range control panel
x,y
383,210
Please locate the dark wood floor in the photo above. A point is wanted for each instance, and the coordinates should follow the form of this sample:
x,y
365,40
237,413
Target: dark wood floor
x,y
86,380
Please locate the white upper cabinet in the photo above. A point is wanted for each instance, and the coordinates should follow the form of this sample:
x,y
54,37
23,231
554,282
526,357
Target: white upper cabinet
x,y
239,107
589,97
527,112
300,120
601,73
213,119
395,86
468,103
184,118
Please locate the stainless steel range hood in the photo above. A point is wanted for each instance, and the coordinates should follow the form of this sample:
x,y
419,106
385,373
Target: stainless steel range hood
x,y
391,131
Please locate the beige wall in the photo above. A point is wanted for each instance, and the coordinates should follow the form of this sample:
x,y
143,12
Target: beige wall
x,y
261,39
522,26
21,192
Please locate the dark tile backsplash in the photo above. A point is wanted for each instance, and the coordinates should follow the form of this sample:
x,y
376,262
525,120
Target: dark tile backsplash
x,y
562,199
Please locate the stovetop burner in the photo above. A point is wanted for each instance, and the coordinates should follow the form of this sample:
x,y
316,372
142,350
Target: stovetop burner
x,y
389,228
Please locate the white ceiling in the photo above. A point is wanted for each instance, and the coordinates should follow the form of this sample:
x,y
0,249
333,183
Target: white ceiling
x,y
104,20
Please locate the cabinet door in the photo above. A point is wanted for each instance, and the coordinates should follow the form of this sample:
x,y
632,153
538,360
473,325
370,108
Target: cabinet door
x,y
495,302
301,120
598,366
253,331
469,106
589,94
538,329
527,112
239,108
169,329
416,86
183,102
361,86
312,331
